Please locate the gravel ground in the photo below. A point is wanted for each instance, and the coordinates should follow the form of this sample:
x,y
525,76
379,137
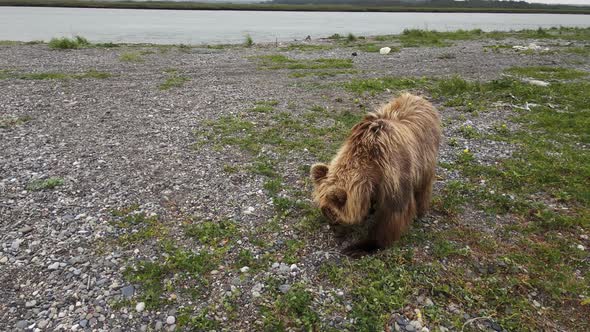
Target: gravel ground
x,y
120,141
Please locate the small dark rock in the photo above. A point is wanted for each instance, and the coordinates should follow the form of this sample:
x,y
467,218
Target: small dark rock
x,y
128,291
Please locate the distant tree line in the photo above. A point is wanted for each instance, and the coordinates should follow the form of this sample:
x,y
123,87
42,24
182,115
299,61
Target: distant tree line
x,y
427,3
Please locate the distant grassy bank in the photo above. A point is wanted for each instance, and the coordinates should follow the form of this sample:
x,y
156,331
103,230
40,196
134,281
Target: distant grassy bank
x,y
279,7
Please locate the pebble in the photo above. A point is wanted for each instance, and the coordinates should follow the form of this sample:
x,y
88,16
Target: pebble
x,y
30,304
3,260
42,324
140,306
284,288
15,245
26,229
581,247
410,328
54,266
159,325
170,320
536,304
428,302
128,291
22,324
245,269
83,323
425,329
294,267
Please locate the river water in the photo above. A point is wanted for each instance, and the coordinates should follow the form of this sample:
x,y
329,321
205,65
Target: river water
x,y
196,27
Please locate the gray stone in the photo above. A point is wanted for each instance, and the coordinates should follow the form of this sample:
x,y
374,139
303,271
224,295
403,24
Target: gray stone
x,y
170,320
410,328
83,323
15,245
22,324
42,324
26,229
159,325
53,266
30,304
284,288
128,291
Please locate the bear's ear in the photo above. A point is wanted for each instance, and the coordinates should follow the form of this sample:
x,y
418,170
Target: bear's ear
x,y
337,197
318,172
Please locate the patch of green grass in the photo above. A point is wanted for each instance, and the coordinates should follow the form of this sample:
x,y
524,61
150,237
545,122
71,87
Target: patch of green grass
x,y
306,47
350,37
49,183
292,310
469,132
583,51
156,278
212,233
131,57
445,248
137,228
548,73
283,62
452,198
68,43
375,85
55,75
173,81
10,122
322,74
264,106
201,321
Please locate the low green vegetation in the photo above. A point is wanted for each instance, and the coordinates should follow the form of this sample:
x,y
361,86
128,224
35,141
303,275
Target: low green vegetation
x,y
173,81
13,121
55,75
49,183
68,43
131,57
282,62
548,73
249,42
264,106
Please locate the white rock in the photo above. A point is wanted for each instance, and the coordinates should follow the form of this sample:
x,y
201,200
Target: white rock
x,y
581,247
536,304
54,266
3,260
170,320
249,210
245,269
140,306
385,50
294,267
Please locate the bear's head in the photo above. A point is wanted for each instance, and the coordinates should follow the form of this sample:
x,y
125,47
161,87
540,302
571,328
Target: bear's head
x,y
331,196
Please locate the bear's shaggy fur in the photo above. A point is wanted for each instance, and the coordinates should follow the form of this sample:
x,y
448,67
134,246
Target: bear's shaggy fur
x,y
388,163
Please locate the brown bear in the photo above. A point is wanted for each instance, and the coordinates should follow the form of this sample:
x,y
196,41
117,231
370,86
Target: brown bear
x,y
387,163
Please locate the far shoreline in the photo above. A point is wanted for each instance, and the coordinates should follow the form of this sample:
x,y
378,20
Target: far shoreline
x,y
154,5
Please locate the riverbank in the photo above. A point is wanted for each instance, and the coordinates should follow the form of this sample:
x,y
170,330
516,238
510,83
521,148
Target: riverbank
x,y
284,7
162,187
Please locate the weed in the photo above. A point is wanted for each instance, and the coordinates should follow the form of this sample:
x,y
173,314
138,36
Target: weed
x,y
49,183
173,81
131,57
10,122
283,62
548,73
249,42
211,232
350,38
68,43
